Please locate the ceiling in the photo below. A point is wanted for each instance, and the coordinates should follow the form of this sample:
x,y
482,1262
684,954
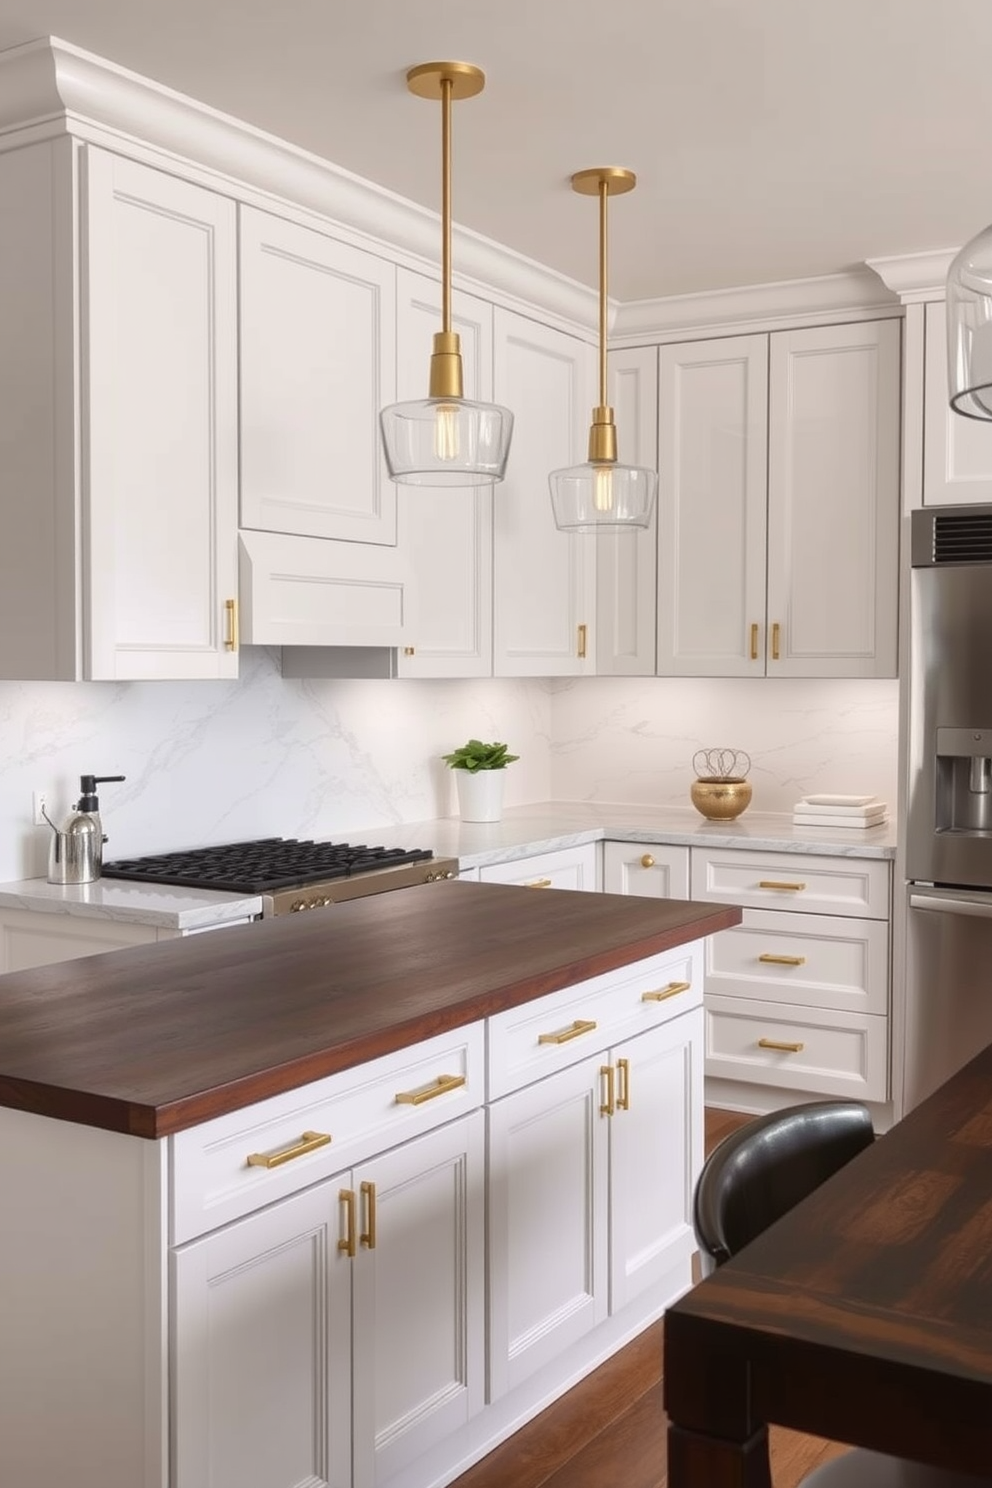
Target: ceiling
x,y
773,139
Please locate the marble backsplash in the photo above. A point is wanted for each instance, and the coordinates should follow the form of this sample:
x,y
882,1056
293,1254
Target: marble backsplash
x,y
264,756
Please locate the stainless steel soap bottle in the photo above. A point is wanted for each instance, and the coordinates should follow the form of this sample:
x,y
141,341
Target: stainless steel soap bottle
x,y
76,852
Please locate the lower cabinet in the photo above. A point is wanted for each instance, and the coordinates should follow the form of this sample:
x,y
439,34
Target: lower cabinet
x,y
656,870
31,938
565,868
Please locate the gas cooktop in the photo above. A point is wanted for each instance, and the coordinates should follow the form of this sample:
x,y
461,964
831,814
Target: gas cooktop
x,y
262,866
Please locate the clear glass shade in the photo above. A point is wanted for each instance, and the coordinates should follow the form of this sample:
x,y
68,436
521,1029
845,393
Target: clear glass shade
x,y
446,441
588,497
969,328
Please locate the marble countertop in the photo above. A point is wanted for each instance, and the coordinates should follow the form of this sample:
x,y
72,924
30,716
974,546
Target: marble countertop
x,y
540,827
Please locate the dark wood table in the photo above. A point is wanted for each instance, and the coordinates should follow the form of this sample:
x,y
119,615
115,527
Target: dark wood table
x,y
864,1315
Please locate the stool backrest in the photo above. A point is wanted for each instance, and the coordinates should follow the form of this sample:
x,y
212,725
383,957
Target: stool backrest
x,y
762,1170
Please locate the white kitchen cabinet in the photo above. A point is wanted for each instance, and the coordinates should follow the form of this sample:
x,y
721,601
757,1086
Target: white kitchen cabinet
x,y
778,529
657,870
563,868
446,532
543,580
957,451
119,420
627,561
28,938
318,362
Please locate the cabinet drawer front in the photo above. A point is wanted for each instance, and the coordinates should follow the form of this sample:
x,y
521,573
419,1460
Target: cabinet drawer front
x,y
818,961
838,1053
213,1180
567,868
550,1033
656,870
812,884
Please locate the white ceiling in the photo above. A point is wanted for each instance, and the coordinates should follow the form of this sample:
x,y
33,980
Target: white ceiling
x,y
773,139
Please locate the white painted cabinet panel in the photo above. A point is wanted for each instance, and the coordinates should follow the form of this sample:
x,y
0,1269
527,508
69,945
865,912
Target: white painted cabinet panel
x,y
445,532
957,451
318,362
544,580
655,870
564,868
29,938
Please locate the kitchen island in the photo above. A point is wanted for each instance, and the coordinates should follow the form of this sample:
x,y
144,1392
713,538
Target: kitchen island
x,y
341,1199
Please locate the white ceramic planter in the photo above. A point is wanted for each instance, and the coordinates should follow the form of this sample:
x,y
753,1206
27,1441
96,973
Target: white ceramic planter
x,y
480,794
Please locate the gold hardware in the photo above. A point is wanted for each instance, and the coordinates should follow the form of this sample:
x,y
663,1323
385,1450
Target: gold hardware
x,y
309,1142
647,861
437,1087
346,1196
754,642
538,883
776,632
604,182
672,990
771,960
409,650
783,1048
773,883
607,1107
231,639
367,1237
583,630
623,1084
565,1035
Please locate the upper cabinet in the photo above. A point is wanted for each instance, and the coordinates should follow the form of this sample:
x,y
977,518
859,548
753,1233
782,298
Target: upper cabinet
x,y
318,362
779,500
544,580
957,451
118,421
446,532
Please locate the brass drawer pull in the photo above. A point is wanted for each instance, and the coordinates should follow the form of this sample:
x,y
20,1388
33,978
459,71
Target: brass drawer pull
x,y
623,1084
564,1035
754,642
231,639
346,1196
437,1087
309,1142
367,1237
582,642
782,1048
771,960
409,650
647,861
776,634
607,1107
538,883
672,990
773,883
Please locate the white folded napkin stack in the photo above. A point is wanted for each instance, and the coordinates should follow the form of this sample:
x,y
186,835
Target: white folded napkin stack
x,y
857,812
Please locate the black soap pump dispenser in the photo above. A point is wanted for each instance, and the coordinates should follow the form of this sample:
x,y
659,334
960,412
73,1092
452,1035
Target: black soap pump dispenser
x,y
76,853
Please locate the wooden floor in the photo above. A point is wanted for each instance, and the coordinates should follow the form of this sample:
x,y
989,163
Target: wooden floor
x,y
610,1429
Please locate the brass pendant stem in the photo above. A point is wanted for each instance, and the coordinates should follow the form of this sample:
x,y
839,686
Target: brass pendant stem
x,y
446,88
604,193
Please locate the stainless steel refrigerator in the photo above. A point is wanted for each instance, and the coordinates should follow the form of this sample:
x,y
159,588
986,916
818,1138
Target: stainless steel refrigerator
x,y
949,796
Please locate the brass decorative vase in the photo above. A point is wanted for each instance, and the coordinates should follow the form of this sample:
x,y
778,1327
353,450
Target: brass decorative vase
x,y
720,800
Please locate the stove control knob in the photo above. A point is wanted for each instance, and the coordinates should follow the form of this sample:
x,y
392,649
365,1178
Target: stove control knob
x,y
430,878
296,906
449,874
323,902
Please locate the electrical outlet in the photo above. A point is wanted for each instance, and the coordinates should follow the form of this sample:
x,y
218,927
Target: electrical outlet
x,y
40,807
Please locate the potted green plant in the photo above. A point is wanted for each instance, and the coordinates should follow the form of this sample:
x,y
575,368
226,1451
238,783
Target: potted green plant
x,y
479,777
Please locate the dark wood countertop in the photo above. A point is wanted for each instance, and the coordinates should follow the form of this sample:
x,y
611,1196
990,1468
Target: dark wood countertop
x,y
155,1039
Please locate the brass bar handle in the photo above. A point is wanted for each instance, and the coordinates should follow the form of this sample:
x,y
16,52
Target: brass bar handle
x,y
437,1087
772,883
776,638
346,1196
409,650
672,990
231,613
607,1107
309,1142
565,1035
647,861
367,1237
538,883
623,1084
583,631
771,960
782,1048
754,642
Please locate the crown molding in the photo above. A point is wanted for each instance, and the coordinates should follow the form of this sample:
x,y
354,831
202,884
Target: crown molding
x,y
915,276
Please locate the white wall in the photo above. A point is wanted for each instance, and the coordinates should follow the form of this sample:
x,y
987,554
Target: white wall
x,y
219,761
624,740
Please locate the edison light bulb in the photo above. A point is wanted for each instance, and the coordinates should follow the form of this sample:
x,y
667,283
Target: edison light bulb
x,y
446,432
602,489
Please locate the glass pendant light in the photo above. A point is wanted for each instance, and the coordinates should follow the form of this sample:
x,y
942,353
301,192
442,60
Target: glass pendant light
x,y
969,328
445,439
602,492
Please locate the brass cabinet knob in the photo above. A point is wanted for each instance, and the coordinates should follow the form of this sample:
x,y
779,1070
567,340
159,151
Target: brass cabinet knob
x,y
647,861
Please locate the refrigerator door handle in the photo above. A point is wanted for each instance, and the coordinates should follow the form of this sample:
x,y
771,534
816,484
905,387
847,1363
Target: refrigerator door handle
x,y
951,901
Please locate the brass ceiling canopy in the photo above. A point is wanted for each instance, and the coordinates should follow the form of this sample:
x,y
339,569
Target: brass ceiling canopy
x,y
427,80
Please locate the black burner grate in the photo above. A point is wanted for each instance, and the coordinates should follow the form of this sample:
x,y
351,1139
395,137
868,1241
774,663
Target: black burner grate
x,y
262,866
